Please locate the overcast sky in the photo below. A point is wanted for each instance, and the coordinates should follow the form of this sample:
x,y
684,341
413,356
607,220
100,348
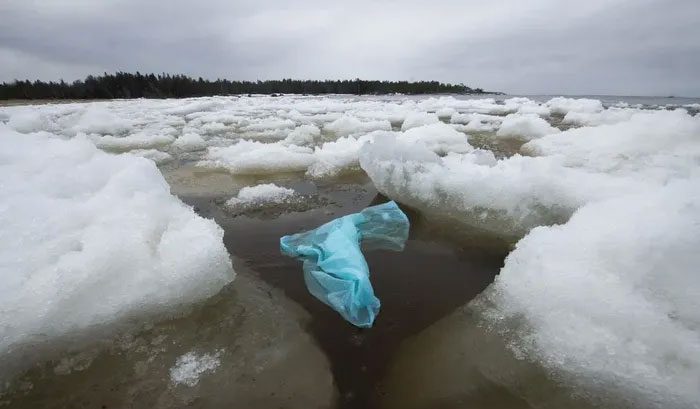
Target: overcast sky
x,y
628,47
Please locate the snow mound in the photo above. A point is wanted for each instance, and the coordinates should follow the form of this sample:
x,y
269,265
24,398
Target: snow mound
x,y
525,126
190,367
91,238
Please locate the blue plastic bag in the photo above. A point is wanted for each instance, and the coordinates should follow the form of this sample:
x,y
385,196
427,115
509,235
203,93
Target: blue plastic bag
x,y
335,271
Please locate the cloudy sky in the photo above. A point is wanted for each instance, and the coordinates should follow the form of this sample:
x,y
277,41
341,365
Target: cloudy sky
x,y
629,47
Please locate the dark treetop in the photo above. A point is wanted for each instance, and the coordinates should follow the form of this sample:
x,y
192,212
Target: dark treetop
x,y
127,85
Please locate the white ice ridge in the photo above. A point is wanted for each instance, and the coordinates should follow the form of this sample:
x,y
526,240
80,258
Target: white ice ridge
x,y
190,367
611,296
91,238
261,194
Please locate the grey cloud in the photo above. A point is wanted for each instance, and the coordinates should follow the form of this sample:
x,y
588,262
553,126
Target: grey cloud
x,y
541,46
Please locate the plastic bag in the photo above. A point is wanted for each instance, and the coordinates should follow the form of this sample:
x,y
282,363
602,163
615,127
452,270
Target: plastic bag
x,y
335,271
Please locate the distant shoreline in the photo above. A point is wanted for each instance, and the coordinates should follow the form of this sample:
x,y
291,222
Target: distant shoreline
x,y
122,85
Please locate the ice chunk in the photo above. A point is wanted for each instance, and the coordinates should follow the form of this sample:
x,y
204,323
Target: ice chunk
x,y
270,123
304,135
252,157
213,128
652,146
562,105
611,297
261,194
608,116
446,112
477,122
348,125
335,271
438,137
190,367
190,142
415,119
91,238
525,126
159,157
28,120
99,120
517,193
340,155
132,141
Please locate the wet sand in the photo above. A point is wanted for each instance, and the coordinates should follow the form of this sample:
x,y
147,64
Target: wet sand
x,y
431,278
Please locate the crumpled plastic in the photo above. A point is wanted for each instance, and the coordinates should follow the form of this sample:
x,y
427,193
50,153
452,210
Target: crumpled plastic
x,y
335,271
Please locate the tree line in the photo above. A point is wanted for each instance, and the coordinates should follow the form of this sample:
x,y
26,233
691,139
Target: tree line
x,y
128,85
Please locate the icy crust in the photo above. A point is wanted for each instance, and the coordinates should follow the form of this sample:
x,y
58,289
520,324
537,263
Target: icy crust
x,y
608,299
91,238
613,296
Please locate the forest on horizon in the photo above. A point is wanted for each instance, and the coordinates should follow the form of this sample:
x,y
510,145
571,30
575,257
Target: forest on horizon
x,y
128,85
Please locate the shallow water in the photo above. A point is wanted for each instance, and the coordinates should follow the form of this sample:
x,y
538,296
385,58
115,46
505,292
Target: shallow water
x,y
417,287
